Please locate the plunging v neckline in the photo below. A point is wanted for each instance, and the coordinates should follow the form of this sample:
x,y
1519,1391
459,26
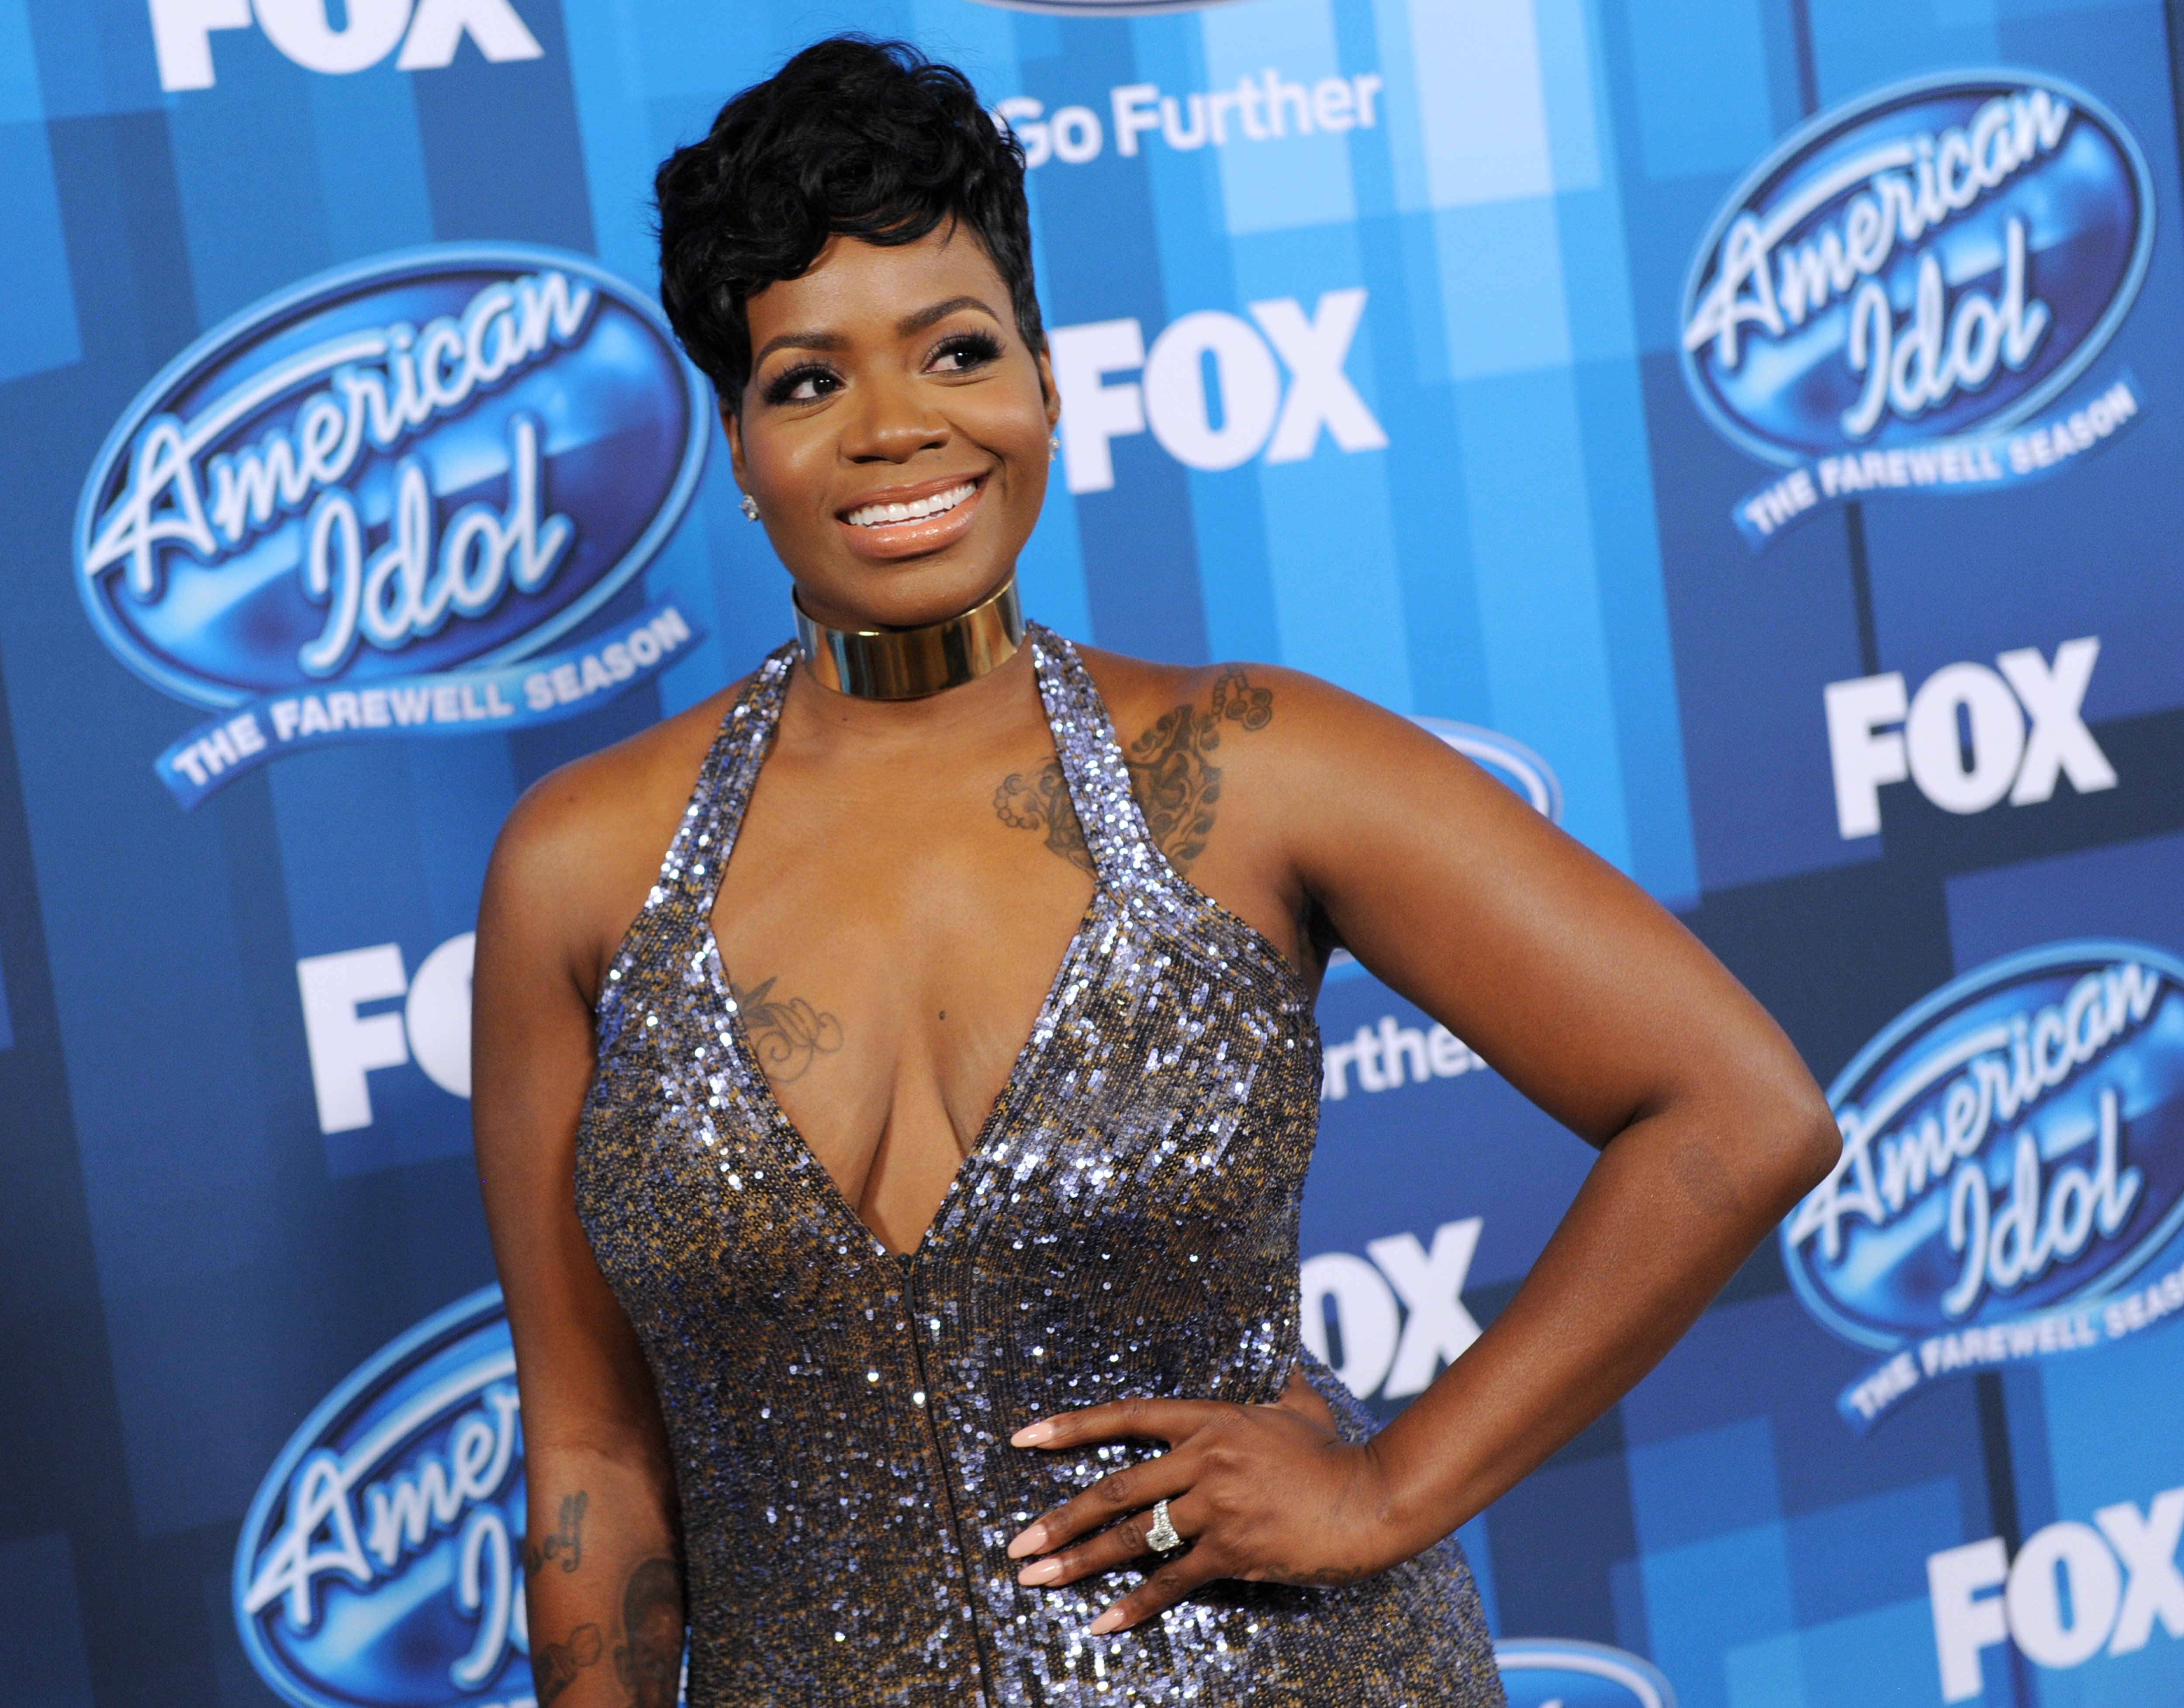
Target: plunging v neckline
x,y
791,1136
785,1130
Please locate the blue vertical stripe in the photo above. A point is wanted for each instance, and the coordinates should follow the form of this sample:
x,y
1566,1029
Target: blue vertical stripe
x,y
247,177
371,163
1540,605
38,332
39,329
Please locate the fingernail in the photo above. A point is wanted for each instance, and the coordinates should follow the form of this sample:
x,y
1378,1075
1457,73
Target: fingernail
x,y
1045,1572
1106,1621
1030,1435
1032,1540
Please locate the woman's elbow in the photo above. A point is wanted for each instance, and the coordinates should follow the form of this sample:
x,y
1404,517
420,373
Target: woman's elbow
x,y
1806,1141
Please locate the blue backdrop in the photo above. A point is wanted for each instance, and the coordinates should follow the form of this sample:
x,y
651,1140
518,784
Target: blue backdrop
x,y
1750,425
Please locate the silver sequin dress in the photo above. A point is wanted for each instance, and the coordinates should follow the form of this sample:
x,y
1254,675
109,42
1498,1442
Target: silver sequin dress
x,y
1126,1225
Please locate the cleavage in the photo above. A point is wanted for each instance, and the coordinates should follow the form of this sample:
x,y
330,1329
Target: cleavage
x,y
889,948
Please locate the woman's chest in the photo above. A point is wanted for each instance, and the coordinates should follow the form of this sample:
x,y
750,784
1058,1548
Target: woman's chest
x,y
1168,1064
888,963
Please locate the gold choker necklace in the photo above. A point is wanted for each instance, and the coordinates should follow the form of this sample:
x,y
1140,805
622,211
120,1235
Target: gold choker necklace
x,y
910,663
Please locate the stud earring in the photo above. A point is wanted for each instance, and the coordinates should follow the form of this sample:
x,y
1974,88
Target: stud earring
x,y
749,507
1053,446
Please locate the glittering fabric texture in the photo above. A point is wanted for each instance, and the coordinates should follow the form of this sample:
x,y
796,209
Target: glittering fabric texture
x,y
1126,1225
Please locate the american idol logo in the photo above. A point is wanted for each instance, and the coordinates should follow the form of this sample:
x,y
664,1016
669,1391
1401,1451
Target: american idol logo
x,y
2012,1170
381,1562
1906,279
1550,1673
395,479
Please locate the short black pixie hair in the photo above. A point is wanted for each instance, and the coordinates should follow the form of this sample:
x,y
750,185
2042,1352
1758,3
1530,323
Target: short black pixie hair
x,y
852,136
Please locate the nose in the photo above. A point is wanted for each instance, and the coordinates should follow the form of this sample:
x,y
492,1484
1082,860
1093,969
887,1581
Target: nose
x,y
893,425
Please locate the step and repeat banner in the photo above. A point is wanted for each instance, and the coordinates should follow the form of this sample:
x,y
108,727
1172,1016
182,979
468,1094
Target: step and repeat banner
x,y
1753,429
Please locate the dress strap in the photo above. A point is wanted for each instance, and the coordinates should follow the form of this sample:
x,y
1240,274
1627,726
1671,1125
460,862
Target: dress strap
x,y
1092,764
681,897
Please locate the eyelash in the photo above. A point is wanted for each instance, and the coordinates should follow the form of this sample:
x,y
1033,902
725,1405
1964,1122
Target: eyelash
x,y
978,348
779,390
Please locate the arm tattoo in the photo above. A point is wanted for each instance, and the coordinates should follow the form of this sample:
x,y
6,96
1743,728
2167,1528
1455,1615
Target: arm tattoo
x,y
788,1034
555,1668
1176,785
564,1541
650,1663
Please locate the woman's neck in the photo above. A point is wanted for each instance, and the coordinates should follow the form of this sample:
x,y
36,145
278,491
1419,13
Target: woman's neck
x,y
901,664
980,708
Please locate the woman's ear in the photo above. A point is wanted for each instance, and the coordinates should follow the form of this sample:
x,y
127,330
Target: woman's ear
x,y
1047,388
731,424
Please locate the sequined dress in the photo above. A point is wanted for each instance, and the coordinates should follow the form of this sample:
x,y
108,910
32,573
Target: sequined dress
x,y
1125,1225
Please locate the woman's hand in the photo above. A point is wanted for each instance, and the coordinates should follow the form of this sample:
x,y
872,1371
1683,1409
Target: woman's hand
x,y
1264,1493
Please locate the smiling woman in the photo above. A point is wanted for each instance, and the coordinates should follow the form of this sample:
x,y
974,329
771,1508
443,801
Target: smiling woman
x,y
898,1212
888,350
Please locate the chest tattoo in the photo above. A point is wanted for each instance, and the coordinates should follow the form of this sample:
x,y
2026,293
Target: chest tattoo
x,y
787,1033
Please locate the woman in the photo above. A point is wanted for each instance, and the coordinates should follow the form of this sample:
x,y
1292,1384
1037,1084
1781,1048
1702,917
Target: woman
x,y
895,1191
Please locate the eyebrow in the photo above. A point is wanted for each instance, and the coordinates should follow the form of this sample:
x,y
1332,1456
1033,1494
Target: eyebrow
x,y
911,324
908,326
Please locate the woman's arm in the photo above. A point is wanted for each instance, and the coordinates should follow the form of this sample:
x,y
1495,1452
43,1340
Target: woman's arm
x,y
1601,1007
1597,1004
602,1565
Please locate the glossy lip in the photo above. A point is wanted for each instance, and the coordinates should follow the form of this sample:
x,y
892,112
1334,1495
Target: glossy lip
x,y
893,540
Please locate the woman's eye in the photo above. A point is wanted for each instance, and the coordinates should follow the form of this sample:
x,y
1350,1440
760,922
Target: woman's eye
x,y
961,354
802,386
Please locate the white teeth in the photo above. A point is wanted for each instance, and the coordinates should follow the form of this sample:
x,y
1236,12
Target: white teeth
x,y
874,514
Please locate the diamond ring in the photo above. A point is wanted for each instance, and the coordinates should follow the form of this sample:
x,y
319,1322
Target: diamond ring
x,y
1162,1538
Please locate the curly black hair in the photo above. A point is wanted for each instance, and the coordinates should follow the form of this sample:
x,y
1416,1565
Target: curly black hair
x,y
861,137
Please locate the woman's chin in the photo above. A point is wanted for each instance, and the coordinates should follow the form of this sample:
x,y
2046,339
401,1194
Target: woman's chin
x,y
907,592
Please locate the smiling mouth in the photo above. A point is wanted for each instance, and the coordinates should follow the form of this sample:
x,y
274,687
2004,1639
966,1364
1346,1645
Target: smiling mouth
x,y
939,503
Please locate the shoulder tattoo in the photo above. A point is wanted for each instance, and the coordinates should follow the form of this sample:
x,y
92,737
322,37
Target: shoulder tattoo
x,y
1041,802
787,1032
1175,781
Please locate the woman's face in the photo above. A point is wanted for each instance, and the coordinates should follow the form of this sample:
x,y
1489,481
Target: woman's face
x,y
887,379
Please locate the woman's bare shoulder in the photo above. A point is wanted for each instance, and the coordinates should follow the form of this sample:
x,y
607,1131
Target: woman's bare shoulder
x,y
1245,744
584,842
1298,712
